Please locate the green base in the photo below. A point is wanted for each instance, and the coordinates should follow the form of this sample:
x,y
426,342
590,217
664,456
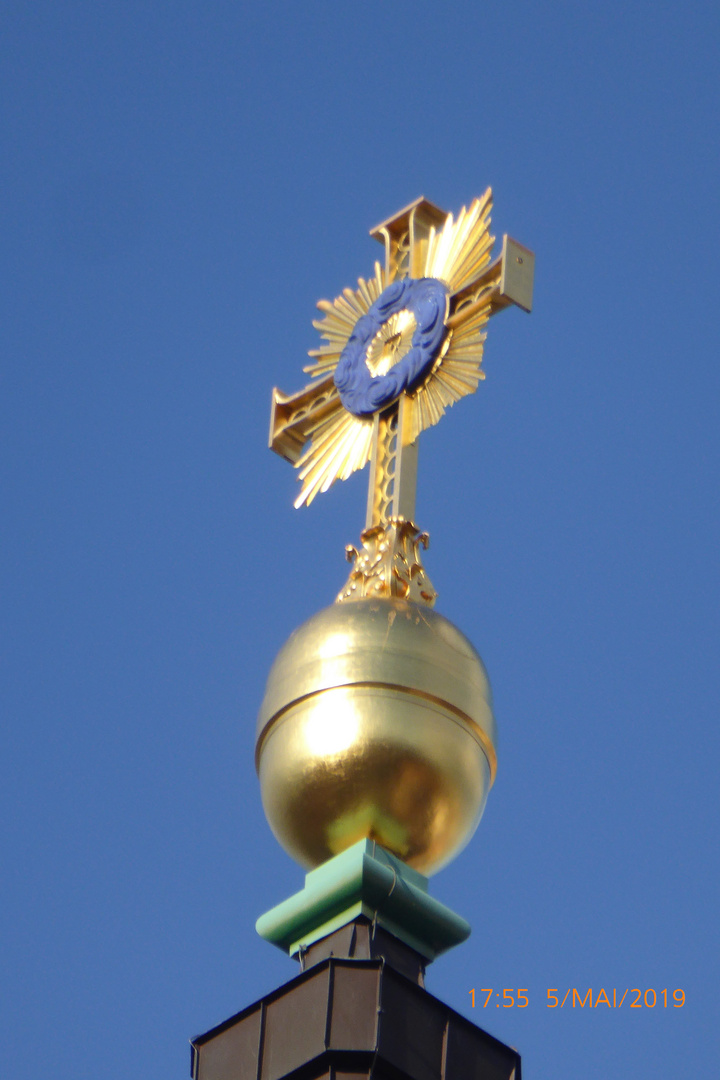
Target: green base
x,y
364,880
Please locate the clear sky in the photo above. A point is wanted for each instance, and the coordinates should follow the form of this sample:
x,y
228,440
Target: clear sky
x,y
179,184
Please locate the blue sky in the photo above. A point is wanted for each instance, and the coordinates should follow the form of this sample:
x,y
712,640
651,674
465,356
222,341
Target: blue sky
x,y
179,184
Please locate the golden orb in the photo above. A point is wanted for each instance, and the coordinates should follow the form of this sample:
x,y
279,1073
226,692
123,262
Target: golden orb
x,y
377,723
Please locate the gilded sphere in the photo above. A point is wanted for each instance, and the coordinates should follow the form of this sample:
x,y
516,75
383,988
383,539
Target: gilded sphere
x,y
376,722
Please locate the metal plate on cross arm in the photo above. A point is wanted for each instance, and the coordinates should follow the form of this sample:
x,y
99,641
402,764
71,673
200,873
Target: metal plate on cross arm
x,y
518,269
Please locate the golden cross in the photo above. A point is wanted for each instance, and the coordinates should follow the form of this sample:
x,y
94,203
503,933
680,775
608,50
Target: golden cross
x,y
313,429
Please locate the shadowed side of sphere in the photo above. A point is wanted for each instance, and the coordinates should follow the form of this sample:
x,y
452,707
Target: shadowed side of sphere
x,y
376,723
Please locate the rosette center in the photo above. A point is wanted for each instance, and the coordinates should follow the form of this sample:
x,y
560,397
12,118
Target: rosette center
x,y
392,341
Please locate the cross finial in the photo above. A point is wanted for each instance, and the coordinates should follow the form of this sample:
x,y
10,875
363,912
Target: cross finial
x,y
400,349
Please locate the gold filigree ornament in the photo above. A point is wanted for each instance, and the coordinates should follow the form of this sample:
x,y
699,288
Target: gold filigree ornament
x,y
389,564
455,254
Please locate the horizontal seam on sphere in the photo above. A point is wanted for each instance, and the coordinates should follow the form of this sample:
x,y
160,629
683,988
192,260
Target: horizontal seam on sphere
x,y
466,721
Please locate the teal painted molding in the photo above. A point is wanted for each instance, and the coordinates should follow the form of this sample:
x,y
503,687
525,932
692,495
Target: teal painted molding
x,y
364,880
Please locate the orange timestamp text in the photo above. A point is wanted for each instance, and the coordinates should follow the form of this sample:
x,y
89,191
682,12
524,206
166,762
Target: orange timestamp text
x,y
612,998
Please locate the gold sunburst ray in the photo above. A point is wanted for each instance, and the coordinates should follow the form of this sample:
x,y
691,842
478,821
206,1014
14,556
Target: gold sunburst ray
x,y
461,249
339,445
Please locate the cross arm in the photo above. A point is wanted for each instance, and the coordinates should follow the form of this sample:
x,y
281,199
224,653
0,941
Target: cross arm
x,y
293,416
507,280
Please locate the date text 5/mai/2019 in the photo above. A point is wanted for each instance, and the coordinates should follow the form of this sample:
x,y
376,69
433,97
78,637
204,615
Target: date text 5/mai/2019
x,y
612,998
